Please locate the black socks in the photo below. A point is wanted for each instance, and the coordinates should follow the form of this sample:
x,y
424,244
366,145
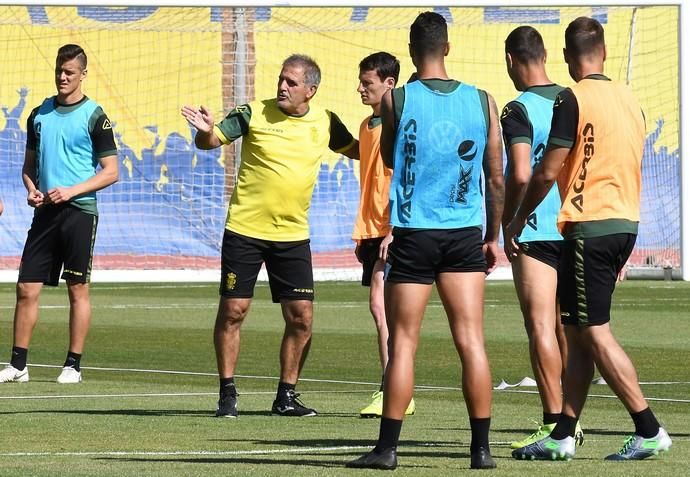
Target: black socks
x,y
283,389
480,433
564,427
646,424
227,386
551,418
73,360
389,434
18,359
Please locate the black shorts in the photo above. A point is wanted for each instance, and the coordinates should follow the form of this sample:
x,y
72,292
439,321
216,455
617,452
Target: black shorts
x,y
288,264
587,277
369,255
546,251
419,255
59,235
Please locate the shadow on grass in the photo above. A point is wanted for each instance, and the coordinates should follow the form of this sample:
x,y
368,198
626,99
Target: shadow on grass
x,y
229,460
164,413
624,432
118,412
315,443
302,453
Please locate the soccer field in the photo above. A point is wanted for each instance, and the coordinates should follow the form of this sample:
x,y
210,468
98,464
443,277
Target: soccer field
x,y
149,391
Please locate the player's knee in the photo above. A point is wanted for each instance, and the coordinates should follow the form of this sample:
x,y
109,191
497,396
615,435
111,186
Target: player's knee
x,y
28,292
378,313
299,323
540,330
298,314
233,313
470,346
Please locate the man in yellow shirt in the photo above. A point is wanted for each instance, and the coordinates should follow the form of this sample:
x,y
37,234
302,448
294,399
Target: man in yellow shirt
x,y
284,139
594,151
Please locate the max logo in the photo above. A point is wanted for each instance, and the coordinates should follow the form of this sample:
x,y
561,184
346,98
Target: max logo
x,y
467,150
588,150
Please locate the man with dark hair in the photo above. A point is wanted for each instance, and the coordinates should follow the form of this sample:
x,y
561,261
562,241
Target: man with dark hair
x,y
438,135
595,153
284,140
378,73
526,122
68,136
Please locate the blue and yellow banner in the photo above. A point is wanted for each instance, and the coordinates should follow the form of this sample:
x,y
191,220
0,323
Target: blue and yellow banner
x,y
146,62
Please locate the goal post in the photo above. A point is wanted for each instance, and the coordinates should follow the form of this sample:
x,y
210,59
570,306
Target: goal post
x,y
164,219
683,98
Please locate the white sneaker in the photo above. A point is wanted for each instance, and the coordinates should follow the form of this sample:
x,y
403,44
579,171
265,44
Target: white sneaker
x,y
69,375
12,374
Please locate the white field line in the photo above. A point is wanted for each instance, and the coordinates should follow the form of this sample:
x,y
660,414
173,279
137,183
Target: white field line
x,y
298,450
603,396
331,381
179,453
190,394
211,306
418,387
213,286
82,396
243,376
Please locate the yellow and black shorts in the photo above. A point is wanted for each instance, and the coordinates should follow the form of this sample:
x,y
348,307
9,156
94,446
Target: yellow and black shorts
x,y
288,264
587,277
60,235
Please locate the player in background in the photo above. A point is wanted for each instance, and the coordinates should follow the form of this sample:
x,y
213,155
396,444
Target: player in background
x,y
594,152
68,137
440,136
378,73
526,122
284,139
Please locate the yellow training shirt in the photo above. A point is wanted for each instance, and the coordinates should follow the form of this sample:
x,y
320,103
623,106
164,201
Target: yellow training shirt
x,y
281,156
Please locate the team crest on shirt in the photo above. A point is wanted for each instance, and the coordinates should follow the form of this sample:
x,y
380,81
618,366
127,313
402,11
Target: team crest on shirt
x,y
230,281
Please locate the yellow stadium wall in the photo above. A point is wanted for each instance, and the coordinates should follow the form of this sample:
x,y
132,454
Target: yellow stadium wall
x,y
143,71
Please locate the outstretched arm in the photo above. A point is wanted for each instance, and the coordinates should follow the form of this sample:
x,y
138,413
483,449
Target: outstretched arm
x,y
202,119
353,151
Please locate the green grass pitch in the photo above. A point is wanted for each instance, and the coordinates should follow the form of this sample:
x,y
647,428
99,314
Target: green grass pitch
x,y
129,418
